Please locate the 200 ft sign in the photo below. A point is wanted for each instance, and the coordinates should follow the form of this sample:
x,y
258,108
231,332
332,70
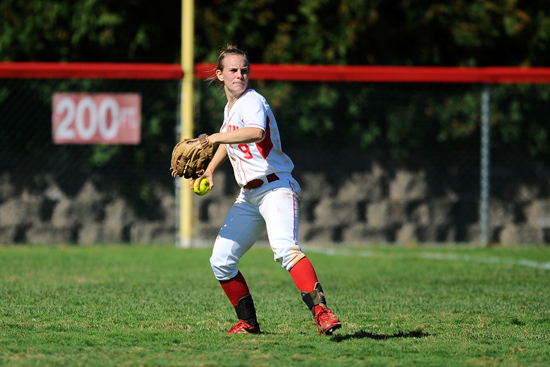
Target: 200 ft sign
x,y
96,118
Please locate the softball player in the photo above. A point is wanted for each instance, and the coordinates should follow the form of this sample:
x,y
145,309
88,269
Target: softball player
x,y
268,198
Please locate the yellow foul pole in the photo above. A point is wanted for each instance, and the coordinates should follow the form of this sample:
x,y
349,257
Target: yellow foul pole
x,y
186,208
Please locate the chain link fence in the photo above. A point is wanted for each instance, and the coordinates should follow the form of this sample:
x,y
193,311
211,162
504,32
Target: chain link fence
x,y
378,163
83,193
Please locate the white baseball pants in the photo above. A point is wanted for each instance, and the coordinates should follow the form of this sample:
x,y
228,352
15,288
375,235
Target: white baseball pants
x,y
272,207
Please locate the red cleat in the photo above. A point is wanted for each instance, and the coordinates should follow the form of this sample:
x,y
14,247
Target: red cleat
x,y
326,321
243,328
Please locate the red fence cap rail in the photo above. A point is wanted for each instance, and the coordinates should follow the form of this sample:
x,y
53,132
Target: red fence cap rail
x,y
77,70
416,74
282,72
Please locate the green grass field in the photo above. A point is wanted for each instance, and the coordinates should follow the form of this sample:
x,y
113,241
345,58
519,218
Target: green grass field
x,y
161,306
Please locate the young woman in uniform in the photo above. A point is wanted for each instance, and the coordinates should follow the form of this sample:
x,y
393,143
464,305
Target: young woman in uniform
x,y
268,199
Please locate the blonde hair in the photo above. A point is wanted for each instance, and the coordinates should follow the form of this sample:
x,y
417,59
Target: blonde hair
x,y
227,50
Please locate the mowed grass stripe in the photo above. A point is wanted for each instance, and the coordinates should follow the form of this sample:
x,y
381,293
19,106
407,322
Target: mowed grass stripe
x,y
539,253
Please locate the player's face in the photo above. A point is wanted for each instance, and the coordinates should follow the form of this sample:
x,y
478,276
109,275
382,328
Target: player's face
x,y
234,75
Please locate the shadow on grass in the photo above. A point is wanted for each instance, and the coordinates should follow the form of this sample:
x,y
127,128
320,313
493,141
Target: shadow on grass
x,y
365,334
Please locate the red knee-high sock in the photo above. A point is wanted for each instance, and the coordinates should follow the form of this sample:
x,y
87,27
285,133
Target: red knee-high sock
x,y
304,275
235,288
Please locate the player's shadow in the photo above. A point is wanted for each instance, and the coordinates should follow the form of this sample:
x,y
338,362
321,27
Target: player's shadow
x,y
365,334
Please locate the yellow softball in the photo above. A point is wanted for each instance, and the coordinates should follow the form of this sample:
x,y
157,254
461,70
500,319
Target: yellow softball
x,y
203,188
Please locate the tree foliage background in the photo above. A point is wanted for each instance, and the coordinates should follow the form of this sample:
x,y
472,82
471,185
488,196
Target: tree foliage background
x,y
344,32
347,32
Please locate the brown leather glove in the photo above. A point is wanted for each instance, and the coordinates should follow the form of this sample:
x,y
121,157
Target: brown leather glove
x,y
190,157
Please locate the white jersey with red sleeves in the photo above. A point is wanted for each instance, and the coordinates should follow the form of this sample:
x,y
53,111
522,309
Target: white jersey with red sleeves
x,y
255,160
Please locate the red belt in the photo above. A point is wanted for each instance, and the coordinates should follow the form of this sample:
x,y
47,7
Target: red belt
x,y
254,184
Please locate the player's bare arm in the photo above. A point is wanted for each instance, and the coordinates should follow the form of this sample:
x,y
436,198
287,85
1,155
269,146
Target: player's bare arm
x,y
242,136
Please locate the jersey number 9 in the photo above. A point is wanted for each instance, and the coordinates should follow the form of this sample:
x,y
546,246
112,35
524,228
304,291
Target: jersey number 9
x,y
246,150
